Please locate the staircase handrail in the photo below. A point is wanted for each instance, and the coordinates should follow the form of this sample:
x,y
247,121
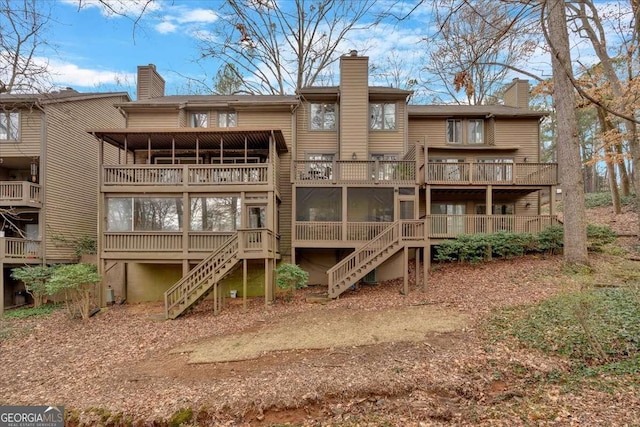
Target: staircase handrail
x,y
170,302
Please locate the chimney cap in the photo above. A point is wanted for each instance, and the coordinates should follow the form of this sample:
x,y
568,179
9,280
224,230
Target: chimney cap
x,y
353,52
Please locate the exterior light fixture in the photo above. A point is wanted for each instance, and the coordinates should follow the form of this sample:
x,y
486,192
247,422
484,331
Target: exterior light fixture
x,y
354,156
34,169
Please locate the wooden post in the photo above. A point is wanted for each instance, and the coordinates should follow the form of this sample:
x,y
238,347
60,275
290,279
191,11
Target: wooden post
x,y
405,287
267,287
244,284
427,262
2,288
418,254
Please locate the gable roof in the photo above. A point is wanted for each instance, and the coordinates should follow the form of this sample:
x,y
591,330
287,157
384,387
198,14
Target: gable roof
x,y
202,101
66,95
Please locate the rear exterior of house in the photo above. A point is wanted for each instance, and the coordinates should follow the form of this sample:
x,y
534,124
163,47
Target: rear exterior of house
x,y
48,177
348,181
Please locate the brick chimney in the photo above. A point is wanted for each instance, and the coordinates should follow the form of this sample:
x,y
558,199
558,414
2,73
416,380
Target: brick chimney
x,y
150,83
354,106
517,94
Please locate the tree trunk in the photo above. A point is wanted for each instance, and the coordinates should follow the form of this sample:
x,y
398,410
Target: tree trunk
x,y
625,186
610,159
570,167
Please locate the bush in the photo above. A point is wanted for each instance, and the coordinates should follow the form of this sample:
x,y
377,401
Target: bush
x,y
550,240
599,236
77,281
35,281
290,277
594,200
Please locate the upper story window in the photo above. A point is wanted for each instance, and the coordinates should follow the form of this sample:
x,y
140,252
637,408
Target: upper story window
x,y
9,126
383,116
323,116
474,131
454,131
199,120
227,119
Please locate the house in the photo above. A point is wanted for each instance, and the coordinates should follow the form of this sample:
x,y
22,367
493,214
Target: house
x,y
347,181
48,177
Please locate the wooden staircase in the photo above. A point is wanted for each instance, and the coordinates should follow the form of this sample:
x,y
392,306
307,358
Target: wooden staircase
x,y
203,279
354,267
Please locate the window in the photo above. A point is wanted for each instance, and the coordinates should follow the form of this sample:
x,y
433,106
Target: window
x,y
257,216
227,119
454,131
476,131
199,120
318,204
144,214
220,214
449,218
323,116
370,204
9,126
383,116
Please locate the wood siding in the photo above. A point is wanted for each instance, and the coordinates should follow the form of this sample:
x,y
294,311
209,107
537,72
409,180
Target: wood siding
x,y
354,107
383,141
314,141
71,170
150,119
30,136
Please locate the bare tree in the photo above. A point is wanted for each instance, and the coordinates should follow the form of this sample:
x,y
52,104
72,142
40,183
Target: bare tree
x,y
575,236
279,47
23,26
474,43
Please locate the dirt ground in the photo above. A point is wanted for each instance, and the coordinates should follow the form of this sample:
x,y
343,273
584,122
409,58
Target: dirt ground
x,y
415,360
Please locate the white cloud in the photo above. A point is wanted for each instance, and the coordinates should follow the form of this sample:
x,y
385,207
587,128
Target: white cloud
x,y
166,27
196,16
68,74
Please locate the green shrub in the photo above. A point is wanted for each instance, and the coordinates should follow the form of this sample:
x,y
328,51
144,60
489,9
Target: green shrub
x,y
35,281
594,200
290,277
23,313
464,248
599,236
550,240
508,245
77,281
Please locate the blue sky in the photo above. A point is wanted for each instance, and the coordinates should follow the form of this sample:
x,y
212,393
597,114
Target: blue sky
x,y
95,52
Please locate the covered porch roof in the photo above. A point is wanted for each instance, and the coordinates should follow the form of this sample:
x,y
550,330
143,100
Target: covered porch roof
x,y
132,139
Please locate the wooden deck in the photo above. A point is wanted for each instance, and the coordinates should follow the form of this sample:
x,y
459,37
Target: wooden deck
x,y
328,234
314,172
14,249
20,193
492,173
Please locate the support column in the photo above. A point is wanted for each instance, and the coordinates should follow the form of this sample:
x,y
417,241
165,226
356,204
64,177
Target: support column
x,y
405,287
1,289
185,267
244,284
489,208
552,200
418,276
427,265
267,285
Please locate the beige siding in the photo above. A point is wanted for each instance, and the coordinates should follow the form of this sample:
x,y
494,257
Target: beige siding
x,y
390,141
71,170
354,107
277,120
313,141
153,119
30,136
521,133
431,131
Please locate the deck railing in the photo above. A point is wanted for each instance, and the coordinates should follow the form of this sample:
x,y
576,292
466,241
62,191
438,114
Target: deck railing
x,y
250,240
19,193
12,248
121,175
355,171
433,226
492,173
449,226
